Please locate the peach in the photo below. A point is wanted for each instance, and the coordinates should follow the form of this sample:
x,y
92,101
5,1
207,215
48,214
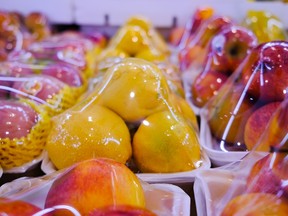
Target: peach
x,y
96,183
257,123
10,207
255,204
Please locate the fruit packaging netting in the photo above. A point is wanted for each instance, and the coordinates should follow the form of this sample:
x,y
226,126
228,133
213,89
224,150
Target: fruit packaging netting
x,y
92,187
254,185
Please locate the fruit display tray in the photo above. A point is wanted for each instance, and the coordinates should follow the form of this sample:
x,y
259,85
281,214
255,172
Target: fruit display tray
x,y
101,13
163,199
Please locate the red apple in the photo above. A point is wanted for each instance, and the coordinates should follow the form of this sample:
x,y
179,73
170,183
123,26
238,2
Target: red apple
x,y
65,73
96,183
265,72
230,47
229,115
269,174
121,210
206,85
198,44
17,119
10,207
257,123
256,204
40,86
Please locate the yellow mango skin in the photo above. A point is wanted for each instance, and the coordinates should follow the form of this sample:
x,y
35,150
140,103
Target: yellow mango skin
x,y
266,26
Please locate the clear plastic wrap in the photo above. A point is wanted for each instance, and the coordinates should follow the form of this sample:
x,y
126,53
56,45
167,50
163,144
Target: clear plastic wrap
x,y
100,185
226,50
256,185
233,121
130,116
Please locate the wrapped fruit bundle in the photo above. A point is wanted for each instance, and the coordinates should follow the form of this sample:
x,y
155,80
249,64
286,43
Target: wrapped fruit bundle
x,y
192,56
266,26
92,187
137,38
226,51
257,183
56,87
180,36
132,115
24,129
237,116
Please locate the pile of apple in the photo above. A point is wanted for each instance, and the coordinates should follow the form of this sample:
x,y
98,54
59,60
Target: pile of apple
x,y
93,187
38,80
266,190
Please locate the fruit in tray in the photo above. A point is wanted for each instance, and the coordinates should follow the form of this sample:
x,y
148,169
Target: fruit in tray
x,y
256,204
181,35
124,210
226,51
266,26
102,134
196,50
228,118
260,80
136,38
132,95
96,183
10,207
23,132
173,133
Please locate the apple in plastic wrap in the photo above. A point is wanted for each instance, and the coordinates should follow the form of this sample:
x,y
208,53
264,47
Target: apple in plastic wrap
x,y
255,204
9,207
96,183
228,114
123,210
196,50
229,48
257,123
265,72
206,85
17,119
40,86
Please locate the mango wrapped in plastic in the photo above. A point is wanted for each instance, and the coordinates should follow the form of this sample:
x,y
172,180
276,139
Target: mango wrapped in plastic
x,y
266,26
133,117
137,38
237,116
92,187
256,184
24,128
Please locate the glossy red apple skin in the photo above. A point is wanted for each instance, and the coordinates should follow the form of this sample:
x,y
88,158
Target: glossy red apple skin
x,y
229,48
10,207
265,71
17,119
257,123
40,86
269,174
121,210
200,40
206,85
65,73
